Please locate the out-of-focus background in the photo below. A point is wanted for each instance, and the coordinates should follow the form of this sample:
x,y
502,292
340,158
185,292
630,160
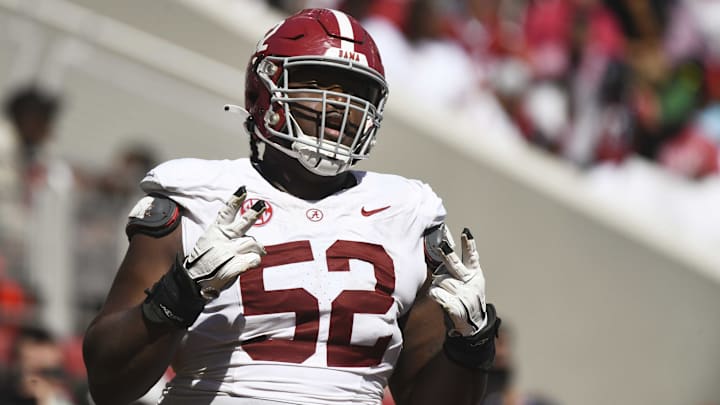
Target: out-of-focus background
x,y
578,139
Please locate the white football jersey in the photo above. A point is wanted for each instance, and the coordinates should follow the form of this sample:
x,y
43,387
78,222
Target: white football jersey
x,y
317,322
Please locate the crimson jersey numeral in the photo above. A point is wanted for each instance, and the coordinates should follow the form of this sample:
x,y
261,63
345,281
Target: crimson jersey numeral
x,y
340,352
258,301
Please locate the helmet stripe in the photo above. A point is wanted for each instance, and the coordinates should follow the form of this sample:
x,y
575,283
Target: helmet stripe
x,y
346,31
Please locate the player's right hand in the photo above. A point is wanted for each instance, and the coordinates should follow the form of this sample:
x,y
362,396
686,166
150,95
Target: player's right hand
x,y
224,251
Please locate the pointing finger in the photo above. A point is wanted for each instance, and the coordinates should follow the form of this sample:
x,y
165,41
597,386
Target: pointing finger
x,y
470,256
229,211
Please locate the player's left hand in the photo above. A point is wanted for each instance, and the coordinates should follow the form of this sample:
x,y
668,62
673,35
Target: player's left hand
x,y
459,287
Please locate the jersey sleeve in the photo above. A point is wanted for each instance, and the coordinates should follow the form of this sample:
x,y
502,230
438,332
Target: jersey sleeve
x,y
199,186
429,213
180,176
195,184
429,209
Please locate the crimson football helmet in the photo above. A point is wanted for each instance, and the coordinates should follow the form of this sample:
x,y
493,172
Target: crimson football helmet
x,y
317,40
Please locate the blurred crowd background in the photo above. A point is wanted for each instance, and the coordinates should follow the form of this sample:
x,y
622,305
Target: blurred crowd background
x,y
595,83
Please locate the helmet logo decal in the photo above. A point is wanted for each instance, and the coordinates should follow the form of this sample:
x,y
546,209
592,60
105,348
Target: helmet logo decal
x,y
350,55
262,45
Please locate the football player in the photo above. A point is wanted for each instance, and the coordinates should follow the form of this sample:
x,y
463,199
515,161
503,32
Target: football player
x,y
288,277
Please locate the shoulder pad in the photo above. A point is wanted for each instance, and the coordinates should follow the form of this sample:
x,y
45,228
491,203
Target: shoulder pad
x,y
153,215
432,239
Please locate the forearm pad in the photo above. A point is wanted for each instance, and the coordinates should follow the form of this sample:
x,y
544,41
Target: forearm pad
x,y
476,352
174,300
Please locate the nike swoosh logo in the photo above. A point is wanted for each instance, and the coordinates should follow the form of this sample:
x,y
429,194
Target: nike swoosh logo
x,y
190,263
367,213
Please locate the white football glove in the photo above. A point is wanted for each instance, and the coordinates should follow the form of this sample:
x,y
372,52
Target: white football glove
x,y
459,286
224,251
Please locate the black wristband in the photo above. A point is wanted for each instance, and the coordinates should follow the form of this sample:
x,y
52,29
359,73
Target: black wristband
x,y
476,352
174,300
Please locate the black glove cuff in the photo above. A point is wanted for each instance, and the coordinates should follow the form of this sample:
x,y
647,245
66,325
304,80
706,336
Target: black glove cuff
x,y
476,352
174,300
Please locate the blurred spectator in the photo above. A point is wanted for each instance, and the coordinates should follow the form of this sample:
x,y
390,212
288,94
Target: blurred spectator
x,y
690,153
15,310
433,56
286,6
119,179
667,55
25,165
293,6
101,211
388,398
423,58
30,112
500,387
35,204
36,374
575,107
